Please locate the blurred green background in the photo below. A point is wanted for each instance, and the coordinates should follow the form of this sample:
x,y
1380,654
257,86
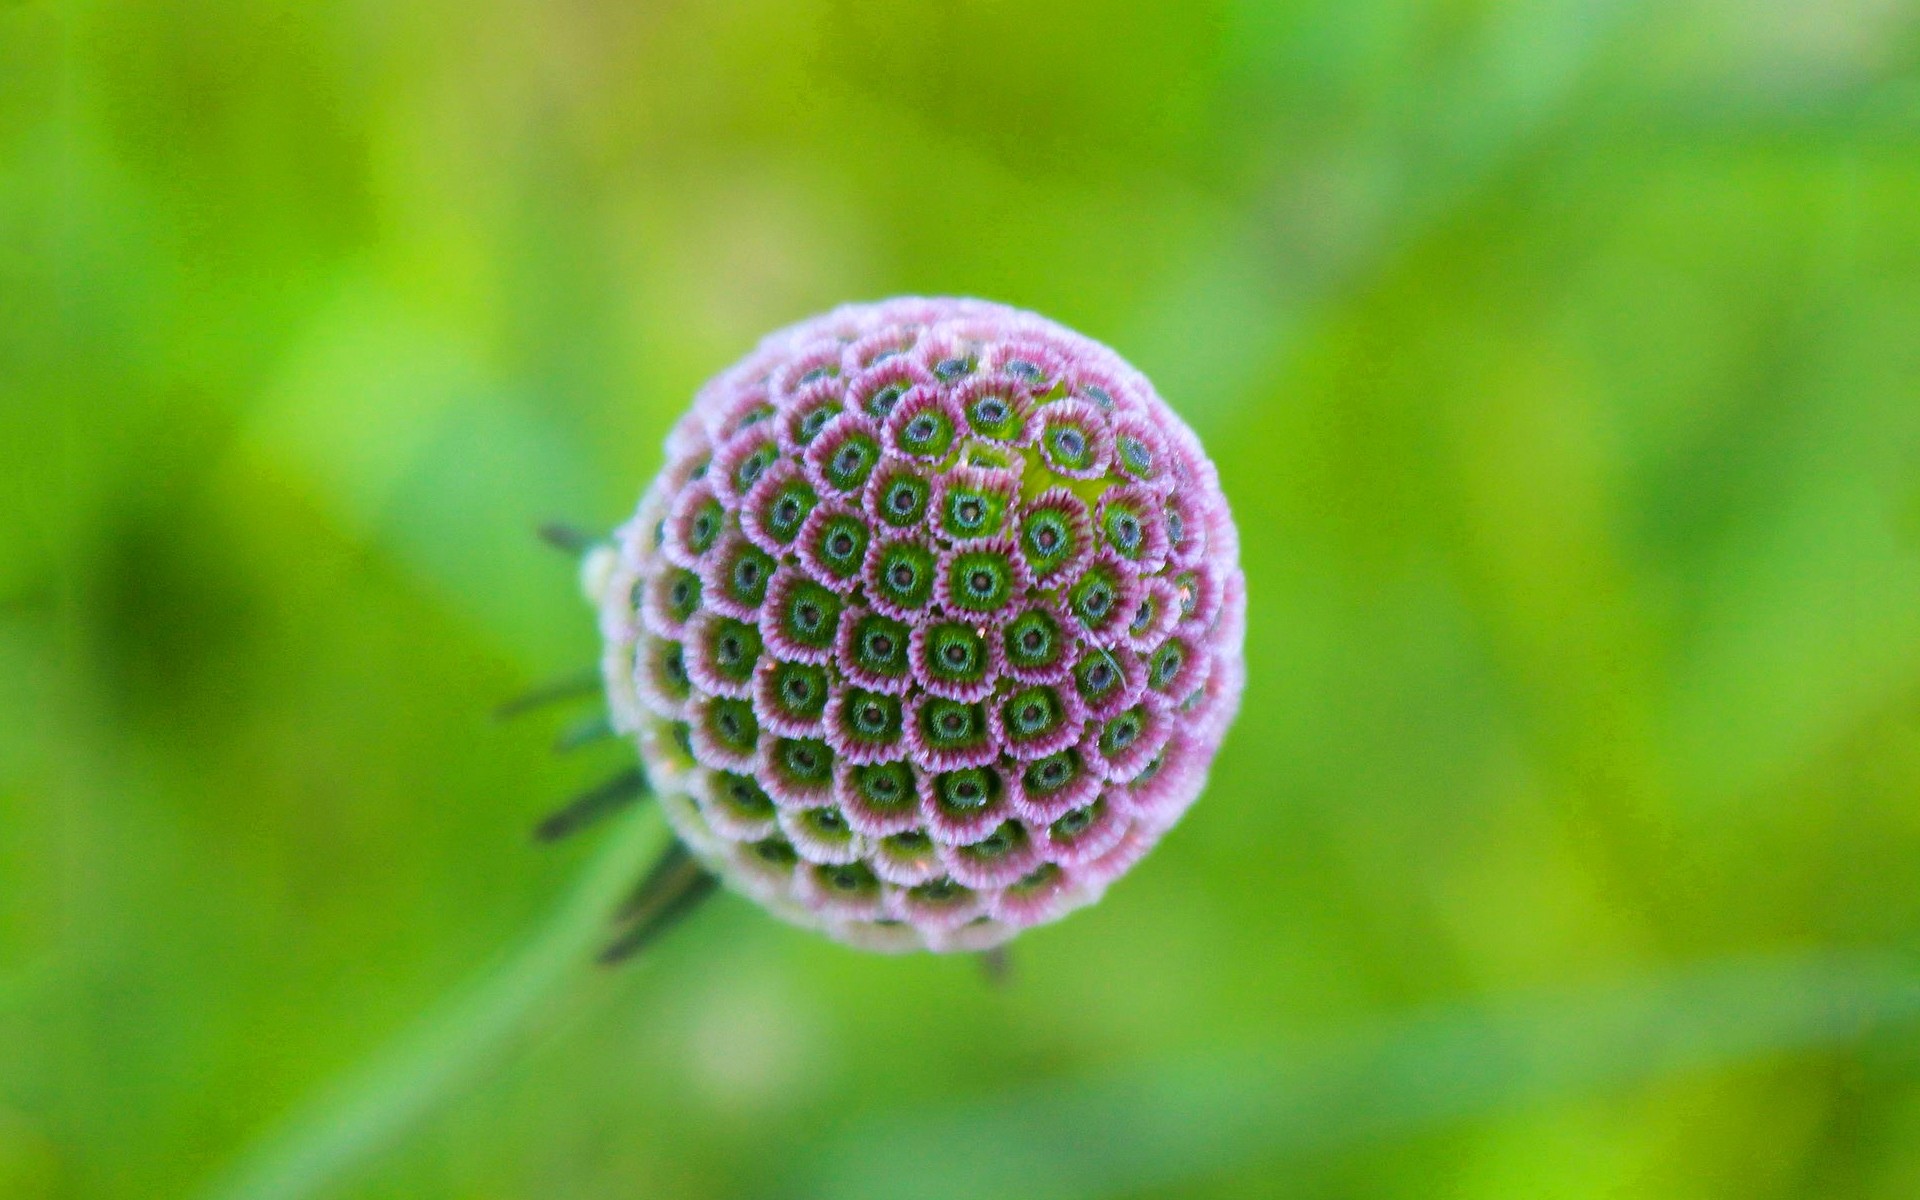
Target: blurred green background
x,y
1562,363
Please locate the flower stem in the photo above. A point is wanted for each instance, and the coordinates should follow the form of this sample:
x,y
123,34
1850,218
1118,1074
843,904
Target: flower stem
x,y
372,1106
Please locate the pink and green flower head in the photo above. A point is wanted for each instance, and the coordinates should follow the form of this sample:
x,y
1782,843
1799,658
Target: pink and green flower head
x,y
929,627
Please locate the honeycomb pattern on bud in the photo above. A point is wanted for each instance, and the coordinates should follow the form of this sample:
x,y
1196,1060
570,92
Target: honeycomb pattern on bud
x,y
930,626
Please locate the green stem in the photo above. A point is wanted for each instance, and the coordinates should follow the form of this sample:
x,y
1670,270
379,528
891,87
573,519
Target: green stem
x,y
370,1108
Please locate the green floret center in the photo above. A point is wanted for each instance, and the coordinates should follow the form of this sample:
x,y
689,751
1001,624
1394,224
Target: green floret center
x,y
800,689
928,433
851,879
732,723
1165,665
973,512
1005,840
1092,598
880,644
884,786
1136,457
1069,446
1125,531
742,795
904,500
851,462
949,369
748,471
951,725
788,509
1032,712
1048,540
881,401
1187,586
747,580
1036,879
734,649
911,844
705,528
1078,821
776,852
670,668
811,616
828,821
809,427
683,593
1033,640
1048,775
805,760
966,791
905,574
1096,676
956,653
1147,772
994,416
873,716
942,893
1118,735
981,581
1145,616
994,457
843,545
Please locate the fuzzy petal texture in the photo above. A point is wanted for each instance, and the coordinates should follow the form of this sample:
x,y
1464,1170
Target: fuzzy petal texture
x,y
930,625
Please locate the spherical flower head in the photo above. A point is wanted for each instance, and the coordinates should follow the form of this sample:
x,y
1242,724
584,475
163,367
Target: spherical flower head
x,y
930,625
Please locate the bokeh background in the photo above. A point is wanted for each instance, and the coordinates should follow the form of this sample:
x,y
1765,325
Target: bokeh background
x,y
1562,363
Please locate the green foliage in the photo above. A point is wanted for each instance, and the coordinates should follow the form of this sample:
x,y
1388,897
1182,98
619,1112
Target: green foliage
x,y
1559,359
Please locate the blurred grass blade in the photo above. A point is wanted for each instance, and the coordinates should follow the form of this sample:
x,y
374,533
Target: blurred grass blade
x,y
372,1106
1190,1118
